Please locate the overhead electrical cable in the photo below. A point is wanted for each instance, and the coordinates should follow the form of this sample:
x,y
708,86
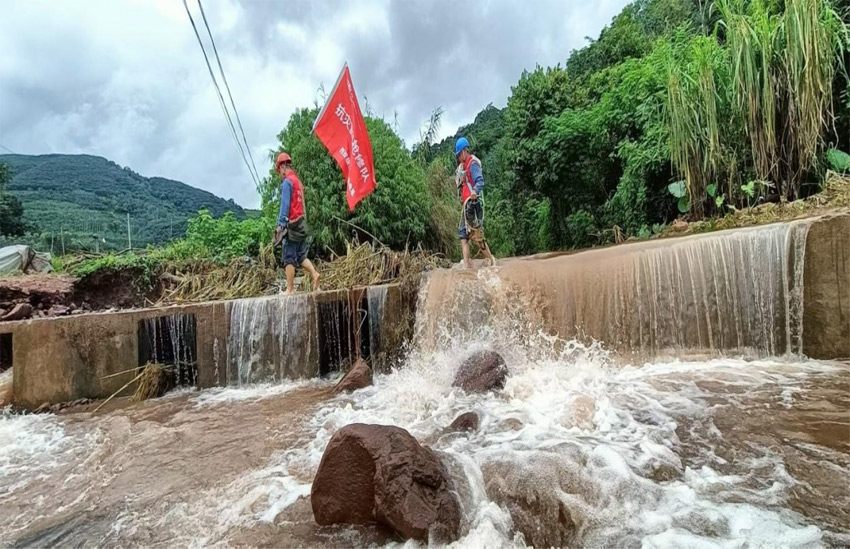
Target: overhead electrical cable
x,y
227,88
221,97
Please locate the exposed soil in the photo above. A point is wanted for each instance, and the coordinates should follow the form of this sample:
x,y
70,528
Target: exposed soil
x,y
48,295
114,289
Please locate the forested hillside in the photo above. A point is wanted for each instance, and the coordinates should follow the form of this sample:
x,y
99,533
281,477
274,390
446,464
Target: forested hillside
x,y
85,201
680,107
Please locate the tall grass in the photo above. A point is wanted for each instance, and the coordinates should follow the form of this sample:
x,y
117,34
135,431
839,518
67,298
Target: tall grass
x,y
813,35
756,96
694,107
752,43
783,65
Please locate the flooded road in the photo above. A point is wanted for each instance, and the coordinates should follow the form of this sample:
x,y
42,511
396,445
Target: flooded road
x,y
575,451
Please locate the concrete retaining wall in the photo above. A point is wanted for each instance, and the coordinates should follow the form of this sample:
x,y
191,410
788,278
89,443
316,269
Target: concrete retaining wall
x,y
67,358
826,289
268,339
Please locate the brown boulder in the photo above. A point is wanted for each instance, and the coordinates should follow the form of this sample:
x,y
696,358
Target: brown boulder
x,y
380,473
358,376
483,371
464,422
18,312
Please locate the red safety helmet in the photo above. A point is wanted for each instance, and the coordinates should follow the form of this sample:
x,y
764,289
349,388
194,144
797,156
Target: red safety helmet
x,y
281,158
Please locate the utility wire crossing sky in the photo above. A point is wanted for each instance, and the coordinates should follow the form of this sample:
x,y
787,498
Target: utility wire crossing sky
x,y
124,79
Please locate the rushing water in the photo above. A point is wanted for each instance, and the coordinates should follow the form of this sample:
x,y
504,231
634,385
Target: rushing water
x,y
723,452
732,292
271,339
584,447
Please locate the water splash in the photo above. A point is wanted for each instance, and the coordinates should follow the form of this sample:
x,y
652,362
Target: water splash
x,y
271,339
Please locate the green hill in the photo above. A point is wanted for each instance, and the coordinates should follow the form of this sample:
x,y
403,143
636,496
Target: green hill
x,y
86,199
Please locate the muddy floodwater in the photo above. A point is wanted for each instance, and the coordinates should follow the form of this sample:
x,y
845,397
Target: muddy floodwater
x,y
577,448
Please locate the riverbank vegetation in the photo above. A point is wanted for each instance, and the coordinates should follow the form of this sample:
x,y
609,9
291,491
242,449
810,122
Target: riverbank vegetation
x,y
717,114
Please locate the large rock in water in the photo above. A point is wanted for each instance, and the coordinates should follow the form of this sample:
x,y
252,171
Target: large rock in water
x,y
380,473
535,491
483,371
358,376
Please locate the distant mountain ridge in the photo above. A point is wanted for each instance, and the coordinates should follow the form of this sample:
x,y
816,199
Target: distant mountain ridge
x,y
91,196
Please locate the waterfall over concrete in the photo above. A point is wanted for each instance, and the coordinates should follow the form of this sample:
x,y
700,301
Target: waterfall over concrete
x,y
731,292
272,339
170,340
376,297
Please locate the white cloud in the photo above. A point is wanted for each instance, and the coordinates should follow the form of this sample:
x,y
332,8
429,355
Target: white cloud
x,y
125,79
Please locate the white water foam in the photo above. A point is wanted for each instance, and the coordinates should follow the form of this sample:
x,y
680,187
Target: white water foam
x,y
259,391
633,453
616,431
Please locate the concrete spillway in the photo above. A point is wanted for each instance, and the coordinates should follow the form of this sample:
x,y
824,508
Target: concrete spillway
x,y
231,343
764,291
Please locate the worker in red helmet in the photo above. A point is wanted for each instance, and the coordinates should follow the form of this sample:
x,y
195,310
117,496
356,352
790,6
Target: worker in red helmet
x,y
292,224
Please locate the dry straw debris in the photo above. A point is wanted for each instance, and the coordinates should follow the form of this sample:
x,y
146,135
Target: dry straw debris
x,y
362,265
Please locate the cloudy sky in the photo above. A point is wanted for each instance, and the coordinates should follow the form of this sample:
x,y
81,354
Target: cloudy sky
x,y
125,79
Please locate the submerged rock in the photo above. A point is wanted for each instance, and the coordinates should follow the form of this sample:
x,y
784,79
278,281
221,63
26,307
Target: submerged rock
x,y
464,422
5,393
358,376
534,494
483,371
380,473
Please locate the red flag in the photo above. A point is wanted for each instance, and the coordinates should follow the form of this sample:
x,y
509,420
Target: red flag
x,y
341,128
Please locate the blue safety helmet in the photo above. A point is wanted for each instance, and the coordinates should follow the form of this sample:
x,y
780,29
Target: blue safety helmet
x,y
460,144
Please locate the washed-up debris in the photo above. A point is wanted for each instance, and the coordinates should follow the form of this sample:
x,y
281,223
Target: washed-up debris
x,y
152,380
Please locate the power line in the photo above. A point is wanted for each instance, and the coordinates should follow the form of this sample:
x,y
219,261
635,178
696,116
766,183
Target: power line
x,y
220,96
8,149
227,87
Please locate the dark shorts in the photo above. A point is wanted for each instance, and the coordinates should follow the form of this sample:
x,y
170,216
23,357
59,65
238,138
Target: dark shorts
x,y
294,253
474,217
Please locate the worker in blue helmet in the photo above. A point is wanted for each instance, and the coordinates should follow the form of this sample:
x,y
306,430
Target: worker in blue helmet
x,y
470,184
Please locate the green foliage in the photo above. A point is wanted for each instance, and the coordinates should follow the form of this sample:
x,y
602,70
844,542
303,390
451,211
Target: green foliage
x,y
696,72
11,210
220,239
785,59
207,239
144,265
444,214
678,189
397,213
84,200
839,161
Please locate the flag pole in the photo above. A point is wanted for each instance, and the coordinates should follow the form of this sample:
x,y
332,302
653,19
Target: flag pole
x,y
327,101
